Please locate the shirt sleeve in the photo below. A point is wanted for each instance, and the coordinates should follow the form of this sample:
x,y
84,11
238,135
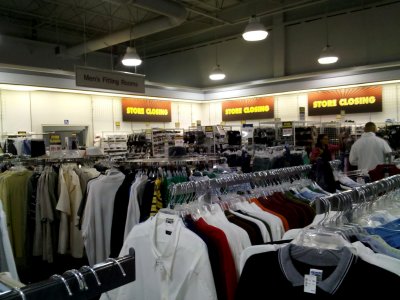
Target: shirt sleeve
x,y
387,150
353,156
333,147
315,153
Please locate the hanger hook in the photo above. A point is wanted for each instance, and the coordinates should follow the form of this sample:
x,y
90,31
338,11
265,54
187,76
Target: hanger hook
x,y
118,264
21,293
56,276
78,278
93,272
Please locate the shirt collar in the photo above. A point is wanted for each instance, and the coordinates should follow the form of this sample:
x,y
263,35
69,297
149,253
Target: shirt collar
x,y
331,283
367,134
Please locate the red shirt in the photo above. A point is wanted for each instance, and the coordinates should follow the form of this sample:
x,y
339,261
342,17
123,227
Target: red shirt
x,y
227,275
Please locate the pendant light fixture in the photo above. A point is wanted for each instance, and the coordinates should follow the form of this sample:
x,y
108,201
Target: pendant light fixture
x,y
131,58
254,31
327,56
217,73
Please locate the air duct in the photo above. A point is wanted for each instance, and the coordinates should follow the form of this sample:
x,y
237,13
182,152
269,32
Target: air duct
x,y
173,14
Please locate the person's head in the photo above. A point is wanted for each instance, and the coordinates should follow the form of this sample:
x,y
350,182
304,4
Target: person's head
x,y
322,140
370,127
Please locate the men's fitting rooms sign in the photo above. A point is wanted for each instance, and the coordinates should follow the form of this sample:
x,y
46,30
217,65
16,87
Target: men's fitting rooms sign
x,y
352,100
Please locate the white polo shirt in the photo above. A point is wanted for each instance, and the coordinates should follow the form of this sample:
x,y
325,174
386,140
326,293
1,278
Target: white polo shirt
x,y
368,151
171,263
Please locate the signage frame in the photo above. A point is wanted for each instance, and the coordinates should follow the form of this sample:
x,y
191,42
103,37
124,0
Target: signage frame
x,y
146,110
248,108
362,99
109,80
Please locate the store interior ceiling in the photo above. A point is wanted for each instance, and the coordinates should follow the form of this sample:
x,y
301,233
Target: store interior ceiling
x,y
78,29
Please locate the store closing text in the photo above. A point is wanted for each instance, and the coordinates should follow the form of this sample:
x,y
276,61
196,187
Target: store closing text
x,y
344,102
247,110
147,111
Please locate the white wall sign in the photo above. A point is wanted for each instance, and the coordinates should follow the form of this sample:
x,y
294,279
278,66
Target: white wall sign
x,y
110,80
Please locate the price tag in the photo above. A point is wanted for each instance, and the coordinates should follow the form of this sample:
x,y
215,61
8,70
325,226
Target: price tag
x,y
287,131
179,143
55,140
310,284
317,273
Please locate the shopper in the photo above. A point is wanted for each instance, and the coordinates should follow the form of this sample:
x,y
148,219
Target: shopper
x,y
320,157
369,150
323,149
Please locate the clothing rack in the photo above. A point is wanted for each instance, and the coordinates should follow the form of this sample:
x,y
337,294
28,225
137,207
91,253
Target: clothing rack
x,y
371,190
43,160
85,283
234,179
167,161
15,135
389,156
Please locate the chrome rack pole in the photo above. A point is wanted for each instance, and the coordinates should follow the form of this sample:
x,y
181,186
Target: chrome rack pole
x,y
93,281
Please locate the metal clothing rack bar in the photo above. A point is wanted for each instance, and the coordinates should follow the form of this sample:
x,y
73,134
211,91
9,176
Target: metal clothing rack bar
x,y
171,160
235,179
44,160
389,156
85,283
360,194
26,134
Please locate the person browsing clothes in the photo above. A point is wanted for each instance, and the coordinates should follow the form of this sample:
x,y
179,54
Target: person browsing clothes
x,y
321,170
369,150
323,149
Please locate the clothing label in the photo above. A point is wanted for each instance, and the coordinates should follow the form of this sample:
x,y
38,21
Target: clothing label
x,y
169,221
169,226
310,284
317,273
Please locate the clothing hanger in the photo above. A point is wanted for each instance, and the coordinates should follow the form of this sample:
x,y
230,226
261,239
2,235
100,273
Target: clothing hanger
x,y
320,237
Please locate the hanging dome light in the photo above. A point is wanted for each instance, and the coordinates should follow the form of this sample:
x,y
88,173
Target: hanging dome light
x,y
217,73
131,58
254,31
327,56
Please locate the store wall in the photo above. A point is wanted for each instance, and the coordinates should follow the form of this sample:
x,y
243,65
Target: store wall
x,y
28,111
